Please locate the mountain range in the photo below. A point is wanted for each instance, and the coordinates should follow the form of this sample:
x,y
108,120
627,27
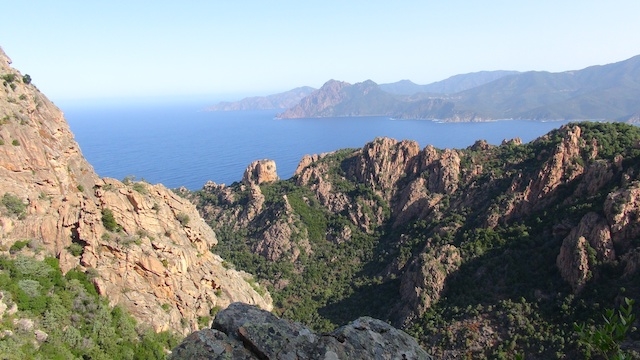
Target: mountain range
x,y
601,92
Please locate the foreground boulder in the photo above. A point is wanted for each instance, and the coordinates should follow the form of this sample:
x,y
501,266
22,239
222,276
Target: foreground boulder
x,y
244,331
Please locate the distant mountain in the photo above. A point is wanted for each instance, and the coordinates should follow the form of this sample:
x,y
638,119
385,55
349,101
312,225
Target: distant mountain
x,y
598,92
450,85
283,100
338,98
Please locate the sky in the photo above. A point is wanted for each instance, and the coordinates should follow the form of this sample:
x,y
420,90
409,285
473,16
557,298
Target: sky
x,y
224,50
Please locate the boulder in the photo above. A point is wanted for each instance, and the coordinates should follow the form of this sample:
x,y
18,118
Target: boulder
x,y
244,331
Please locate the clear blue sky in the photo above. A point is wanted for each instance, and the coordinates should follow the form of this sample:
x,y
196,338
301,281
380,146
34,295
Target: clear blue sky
x,y
129,49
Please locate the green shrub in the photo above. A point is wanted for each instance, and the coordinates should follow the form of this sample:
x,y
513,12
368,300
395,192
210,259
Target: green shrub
x,y
108,187
183,218
14,205
109,221
8,78
80,188
606,338
204,321
80,323
214,310
15,142
1,142
140,187
75,249
30,287
18,245
26,78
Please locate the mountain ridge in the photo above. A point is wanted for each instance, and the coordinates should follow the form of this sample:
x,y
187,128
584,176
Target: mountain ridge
x,y
600,92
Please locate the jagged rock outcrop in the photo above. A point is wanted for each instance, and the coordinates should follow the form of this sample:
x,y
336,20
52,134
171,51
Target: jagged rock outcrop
x,y
382,163
246,332
424,281
145,247
586,244
260,171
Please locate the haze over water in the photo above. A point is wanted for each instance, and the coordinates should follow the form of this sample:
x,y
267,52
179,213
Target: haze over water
x,y
180,145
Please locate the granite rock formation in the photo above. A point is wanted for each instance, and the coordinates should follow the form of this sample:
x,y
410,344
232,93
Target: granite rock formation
x,y
245,332
545,222
260,171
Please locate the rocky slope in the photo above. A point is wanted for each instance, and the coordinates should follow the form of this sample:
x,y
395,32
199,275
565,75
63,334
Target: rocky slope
x,y
468,249
145,247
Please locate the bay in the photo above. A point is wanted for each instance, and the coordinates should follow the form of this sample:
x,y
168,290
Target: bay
x,y
181,145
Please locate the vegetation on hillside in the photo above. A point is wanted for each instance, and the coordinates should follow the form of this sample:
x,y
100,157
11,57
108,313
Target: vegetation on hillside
x,y
62,317
507,296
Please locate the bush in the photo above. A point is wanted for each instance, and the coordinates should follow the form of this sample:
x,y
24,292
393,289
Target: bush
x,y
204,321
183,218
18,245
8,78
26,78
75,249
80,323
140,187
15,142
14,205
109,221
605,339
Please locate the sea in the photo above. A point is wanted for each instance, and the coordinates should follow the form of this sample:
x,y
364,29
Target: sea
x,y
181,144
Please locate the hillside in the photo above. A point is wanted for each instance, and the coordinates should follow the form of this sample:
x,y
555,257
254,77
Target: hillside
x,y
598,92
142,246
337,98
485,252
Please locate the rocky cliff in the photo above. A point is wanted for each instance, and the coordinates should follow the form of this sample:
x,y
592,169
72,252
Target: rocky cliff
x,y
145,247
455,237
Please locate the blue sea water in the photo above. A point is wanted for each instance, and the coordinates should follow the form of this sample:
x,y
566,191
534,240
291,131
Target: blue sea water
x,y
181,145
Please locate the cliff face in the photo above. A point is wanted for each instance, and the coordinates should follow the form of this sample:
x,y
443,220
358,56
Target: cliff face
x,y
545,222
146,247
